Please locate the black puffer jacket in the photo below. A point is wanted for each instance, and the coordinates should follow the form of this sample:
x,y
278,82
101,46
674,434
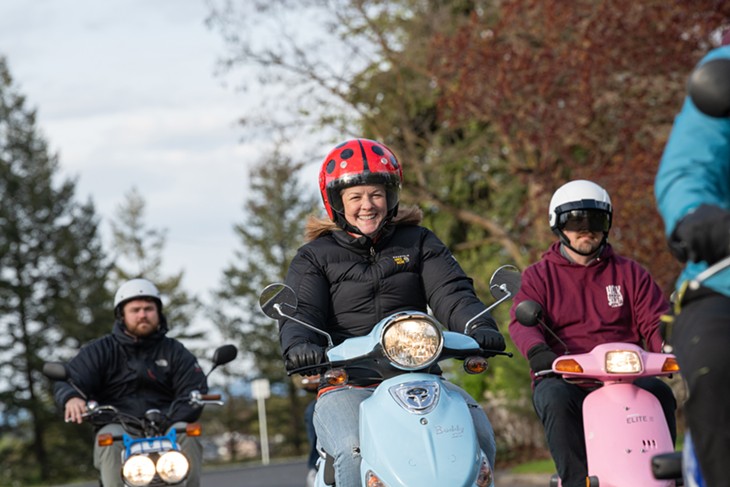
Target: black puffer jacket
x,y
135,375
345,285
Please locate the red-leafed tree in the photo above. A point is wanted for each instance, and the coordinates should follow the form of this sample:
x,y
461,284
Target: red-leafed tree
x,y
579,89
490,105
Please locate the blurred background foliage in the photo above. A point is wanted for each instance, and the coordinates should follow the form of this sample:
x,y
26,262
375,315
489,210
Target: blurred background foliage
x,y
490,105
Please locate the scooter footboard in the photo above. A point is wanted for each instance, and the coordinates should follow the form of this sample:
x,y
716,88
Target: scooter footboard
x,y
416,431
624,428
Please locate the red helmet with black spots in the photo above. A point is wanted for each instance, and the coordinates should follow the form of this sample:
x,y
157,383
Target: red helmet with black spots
x,y
359,162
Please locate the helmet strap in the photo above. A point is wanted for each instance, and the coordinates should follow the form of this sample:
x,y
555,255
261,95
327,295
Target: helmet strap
x,y
566,241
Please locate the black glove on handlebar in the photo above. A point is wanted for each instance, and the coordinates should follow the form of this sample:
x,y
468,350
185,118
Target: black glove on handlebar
x,y
703,234
488,338
541,357
303,355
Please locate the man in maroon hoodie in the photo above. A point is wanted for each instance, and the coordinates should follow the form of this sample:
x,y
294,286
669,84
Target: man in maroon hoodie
x,y
590,295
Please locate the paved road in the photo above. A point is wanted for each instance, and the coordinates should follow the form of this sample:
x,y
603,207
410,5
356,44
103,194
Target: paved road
x,y
291,474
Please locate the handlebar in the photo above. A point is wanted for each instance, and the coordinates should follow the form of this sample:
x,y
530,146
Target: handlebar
x,y
545,372
199,399
195,398
315,369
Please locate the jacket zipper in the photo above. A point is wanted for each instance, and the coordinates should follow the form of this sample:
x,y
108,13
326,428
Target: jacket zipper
x,y
375,288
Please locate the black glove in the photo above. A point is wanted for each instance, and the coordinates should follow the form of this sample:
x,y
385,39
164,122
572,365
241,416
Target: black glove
x,y
703,234
303,355
488,339
541,357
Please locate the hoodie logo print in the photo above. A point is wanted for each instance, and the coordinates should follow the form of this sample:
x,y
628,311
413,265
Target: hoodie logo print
x,y
615,298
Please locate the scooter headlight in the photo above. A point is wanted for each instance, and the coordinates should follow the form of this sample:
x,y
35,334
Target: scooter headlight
x,y
138,470
173,467
623,362
412,341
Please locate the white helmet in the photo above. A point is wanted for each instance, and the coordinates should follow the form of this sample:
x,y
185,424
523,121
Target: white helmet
x,y
137,288
580,204
578,195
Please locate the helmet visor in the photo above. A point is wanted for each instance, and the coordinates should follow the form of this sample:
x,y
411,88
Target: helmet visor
x,y
585,221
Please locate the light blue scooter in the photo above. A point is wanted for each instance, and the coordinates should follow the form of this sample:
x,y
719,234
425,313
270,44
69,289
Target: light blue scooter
x,y
414,429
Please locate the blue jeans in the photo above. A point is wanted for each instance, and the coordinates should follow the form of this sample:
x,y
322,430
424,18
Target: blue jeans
x,y
337,421
108,459
311,435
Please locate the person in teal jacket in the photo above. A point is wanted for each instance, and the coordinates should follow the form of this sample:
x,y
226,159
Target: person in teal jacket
x,y
692,189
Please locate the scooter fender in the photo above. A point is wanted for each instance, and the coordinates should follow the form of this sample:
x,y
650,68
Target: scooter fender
x,y
415,431
624,428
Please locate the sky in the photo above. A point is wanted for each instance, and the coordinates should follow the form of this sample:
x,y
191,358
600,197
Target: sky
x,y
126,95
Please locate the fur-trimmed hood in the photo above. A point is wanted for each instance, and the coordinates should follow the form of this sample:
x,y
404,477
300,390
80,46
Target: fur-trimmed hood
x,y
318,227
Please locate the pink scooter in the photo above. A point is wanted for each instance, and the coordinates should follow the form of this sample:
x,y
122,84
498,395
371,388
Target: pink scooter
x,y
624,424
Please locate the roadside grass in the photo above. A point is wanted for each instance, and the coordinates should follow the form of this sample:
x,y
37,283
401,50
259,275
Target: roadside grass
x,y
536,466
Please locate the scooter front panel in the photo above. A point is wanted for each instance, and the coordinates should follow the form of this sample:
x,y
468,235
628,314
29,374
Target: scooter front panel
x,y
624,428
415,431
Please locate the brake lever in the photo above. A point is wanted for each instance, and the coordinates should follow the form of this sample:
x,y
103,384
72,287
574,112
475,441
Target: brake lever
x,y
315,369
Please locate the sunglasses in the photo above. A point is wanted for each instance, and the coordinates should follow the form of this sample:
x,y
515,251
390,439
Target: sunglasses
x,y
585,220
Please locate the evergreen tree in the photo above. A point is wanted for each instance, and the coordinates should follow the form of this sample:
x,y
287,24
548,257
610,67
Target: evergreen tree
x,y
275,213
52,276
138,252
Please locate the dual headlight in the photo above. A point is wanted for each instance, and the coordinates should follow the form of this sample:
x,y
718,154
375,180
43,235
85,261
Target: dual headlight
x,y
412,341
171,466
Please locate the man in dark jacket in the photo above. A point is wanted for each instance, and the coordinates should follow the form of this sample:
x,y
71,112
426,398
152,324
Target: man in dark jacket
x,y
589,295
366,262
134,368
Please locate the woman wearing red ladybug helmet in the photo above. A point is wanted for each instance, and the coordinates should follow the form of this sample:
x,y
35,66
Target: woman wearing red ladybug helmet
x,y
369,259
360,163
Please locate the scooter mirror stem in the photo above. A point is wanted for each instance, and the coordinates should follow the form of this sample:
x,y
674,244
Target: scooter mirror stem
x,y
554,335
488,309
330,344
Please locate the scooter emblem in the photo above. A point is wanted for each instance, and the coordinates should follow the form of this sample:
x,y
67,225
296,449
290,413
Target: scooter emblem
x,y
418,397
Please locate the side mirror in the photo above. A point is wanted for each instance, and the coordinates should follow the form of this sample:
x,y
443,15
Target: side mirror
x,y
278,301
55,371
709,88
224,354
505,281
504,284
275,297
528,313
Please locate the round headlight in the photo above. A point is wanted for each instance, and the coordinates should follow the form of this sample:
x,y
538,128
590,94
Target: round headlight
x,y
412,342
172,467
138,470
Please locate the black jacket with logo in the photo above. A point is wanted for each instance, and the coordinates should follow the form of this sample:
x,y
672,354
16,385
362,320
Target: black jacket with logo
x,y
134,374
345,285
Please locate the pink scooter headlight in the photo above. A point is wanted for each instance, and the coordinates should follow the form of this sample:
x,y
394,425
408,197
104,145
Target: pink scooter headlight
x,y
623,362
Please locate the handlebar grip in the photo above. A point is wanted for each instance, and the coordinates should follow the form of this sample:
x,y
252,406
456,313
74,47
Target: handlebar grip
x,y
210,397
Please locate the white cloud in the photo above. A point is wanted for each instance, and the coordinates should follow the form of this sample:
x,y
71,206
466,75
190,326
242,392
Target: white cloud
x,y
126,94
